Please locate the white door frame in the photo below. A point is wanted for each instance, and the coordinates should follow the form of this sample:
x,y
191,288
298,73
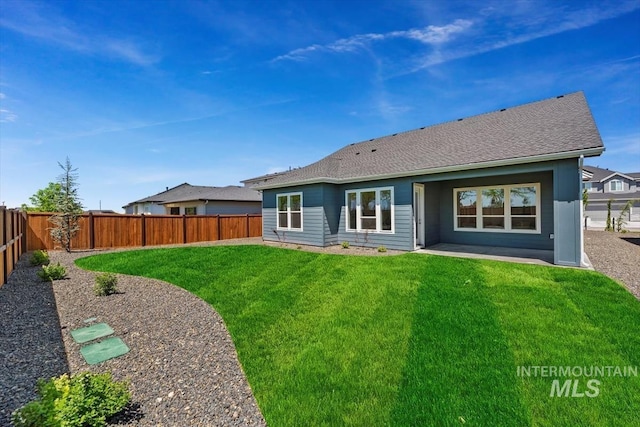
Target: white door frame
x,y
418,215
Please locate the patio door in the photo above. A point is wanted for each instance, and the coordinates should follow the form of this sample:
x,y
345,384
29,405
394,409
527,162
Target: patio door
x,y
418,215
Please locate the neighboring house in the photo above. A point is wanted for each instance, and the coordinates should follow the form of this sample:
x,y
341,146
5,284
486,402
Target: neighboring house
x,y
186,199
509,178
603,185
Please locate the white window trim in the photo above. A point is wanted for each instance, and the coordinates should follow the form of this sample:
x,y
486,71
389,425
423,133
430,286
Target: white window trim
x,y
378,229
288,196
507,209
589,187
611,185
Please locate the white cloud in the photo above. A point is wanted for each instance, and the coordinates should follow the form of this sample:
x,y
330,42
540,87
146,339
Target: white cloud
x,y
7,116
431,35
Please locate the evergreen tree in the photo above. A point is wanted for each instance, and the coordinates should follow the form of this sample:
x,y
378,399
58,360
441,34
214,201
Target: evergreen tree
x,y
66,220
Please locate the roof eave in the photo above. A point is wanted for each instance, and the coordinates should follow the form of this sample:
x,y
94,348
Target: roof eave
x,y
588,152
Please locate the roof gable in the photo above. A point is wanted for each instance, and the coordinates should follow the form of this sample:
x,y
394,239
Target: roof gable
x,y
601,175
561,127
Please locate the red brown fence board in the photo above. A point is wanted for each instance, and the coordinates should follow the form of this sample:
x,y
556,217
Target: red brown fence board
x,y
120,231
12,240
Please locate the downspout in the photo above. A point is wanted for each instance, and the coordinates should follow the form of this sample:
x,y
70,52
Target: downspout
x,y
205,207
583,256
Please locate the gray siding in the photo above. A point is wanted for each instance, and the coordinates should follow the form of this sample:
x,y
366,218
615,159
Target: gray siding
x,y
402,237
333,200
313,217
567,208
232,208
433,202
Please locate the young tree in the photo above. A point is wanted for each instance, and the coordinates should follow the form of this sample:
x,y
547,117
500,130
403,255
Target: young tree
x,y
66,222
608,226
44,200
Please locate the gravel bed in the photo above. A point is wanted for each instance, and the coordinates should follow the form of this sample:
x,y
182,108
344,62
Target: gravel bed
x,y
617,255
30,342
183,368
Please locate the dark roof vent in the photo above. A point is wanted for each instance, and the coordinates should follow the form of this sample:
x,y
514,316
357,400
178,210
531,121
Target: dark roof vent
x,y
422,127
459,120
561,96
357,153
374,150
371,139
504,109
394,134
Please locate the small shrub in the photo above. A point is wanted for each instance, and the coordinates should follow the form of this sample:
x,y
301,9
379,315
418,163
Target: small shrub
x,y
105,284
382,249
52,272
84,399
345,245
39,258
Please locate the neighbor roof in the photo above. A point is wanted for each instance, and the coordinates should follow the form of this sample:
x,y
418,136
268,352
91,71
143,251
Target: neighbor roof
x,y
599,174
555,128
187,192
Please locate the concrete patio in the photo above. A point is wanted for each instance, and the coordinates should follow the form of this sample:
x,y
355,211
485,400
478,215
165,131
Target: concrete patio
x,y
525,256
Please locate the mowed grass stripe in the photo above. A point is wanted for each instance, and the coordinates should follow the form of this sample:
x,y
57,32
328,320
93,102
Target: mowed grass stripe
x,y
407,340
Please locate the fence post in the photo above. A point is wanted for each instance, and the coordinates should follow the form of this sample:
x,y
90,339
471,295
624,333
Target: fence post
x,y
144,230
184,228
25,226
218,219
248,227
92,235
3,243
14,234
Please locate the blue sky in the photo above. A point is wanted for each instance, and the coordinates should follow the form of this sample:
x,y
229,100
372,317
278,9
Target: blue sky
x,y
150,94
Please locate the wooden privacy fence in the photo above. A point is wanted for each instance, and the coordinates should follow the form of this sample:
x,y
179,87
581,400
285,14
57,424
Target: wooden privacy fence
x,y
118,231
12,240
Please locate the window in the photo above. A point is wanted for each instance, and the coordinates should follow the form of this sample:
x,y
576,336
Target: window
x,y
504,208
615,185
587,186
370,209
190,211
289,211
174,210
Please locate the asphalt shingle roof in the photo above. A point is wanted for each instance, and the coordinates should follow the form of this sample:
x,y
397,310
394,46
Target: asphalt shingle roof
x,y
187,192
559,125
599,174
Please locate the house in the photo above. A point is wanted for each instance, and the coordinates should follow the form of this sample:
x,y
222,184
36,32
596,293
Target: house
x,y
510,178
187,199
603,185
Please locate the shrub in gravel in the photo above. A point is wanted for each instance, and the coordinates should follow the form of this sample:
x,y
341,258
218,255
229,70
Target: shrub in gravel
x,y
382,249
52,272
39,258
84,399
105,284
345,245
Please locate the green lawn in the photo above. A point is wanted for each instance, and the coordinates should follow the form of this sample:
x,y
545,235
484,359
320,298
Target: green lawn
x,y
411,339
